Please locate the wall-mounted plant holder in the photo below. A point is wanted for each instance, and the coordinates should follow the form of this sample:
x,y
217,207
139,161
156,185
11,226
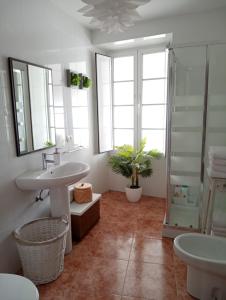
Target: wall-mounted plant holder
x,y
81,81
78,80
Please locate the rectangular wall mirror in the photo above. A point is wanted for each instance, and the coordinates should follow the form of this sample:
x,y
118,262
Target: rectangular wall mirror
x,y
32,95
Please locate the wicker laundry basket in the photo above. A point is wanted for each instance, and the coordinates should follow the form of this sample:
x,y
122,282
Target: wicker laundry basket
x,y
41,245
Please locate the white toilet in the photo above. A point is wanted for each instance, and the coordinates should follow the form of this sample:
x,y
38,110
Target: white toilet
x,y
205,257
15,287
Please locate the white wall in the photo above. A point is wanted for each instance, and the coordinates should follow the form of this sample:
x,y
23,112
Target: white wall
x,y
38,32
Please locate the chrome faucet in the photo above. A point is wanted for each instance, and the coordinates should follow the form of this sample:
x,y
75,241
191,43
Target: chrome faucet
x,y
45,161
56,158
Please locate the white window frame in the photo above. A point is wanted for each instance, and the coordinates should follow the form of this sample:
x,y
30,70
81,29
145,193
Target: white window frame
x,y
141,52
138,71
126,54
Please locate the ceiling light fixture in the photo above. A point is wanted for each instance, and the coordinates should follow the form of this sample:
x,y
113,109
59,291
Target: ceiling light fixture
x,y
152,37
124,42
112,15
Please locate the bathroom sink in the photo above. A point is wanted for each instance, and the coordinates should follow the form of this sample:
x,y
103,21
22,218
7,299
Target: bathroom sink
x,y
56,179
64,174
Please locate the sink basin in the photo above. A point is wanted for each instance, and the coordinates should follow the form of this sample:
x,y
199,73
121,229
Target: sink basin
x,y
64,174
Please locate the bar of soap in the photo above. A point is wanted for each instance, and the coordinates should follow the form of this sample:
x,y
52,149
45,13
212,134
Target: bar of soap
x,y
83,192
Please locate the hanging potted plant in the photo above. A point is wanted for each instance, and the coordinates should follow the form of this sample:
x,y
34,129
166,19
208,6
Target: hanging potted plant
x,y
87,82
75,79
133,163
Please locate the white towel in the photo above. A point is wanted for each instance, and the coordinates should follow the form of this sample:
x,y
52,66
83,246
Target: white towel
x,y
215,174
217,162
217,152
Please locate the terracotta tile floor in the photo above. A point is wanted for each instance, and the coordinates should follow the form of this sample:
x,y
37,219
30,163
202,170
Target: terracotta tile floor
x,y
123,257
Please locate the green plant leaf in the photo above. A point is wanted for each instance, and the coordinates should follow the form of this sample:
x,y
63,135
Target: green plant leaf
x,y
75,79
87,82
155,153
49,144
132,163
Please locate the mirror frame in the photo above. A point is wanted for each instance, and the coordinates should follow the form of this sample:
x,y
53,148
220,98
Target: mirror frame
x,y
13,97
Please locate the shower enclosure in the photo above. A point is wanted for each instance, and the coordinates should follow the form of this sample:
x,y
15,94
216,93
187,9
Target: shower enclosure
x,y
196,120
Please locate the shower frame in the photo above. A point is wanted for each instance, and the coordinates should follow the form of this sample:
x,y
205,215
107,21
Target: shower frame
x,y
173,230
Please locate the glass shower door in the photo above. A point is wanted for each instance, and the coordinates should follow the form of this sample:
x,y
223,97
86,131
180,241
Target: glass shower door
x,y
186,136
216,125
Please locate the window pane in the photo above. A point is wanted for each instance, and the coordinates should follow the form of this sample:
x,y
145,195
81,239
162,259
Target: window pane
x,y
154,91
81,137
123,117
154,65
19,93
80,117
60,137
51,117
154,116
123,136
53,135
123,68
58,95
50,94
59,117
155,139
50,77
17,76
79,97
20,117
123,93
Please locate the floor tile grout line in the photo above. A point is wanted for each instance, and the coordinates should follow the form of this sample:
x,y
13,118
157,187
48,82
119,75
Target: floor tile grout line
x,y
133,239
123,285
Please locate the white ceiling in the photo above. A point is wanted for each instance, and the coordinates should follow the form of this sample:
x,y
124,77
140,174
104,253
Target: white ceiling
x,y
154,9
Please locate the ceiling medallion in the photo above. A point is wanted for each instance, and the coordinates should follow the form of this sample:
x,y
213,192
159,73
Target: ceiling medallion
x,y
112,15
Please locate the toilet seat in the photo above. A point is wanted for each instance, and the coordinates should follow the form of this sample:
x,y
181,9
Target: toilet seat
x,y
15,287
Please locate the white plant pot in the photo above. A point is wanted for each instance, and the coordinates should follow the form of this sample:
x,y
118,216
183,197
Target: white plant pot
x,y
133,195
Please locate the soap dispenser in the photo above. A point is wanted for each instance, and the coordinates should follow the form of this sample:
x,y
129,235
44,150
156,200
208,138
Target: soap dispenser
x,y
57,157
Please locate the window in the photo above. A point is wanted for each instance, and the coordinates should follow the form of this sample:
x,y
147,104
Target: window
x,y
59,115
123,100
51,109
153,99
139,99
69,115
80,120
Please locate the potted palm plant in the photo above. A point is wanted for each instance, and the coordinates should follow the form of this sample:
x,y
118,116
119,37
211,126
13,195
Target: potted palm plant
x,y
133,163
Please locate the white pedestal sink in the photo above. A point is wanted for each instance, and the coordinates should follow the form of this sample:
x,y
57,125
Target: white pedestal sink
x,y
56,179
